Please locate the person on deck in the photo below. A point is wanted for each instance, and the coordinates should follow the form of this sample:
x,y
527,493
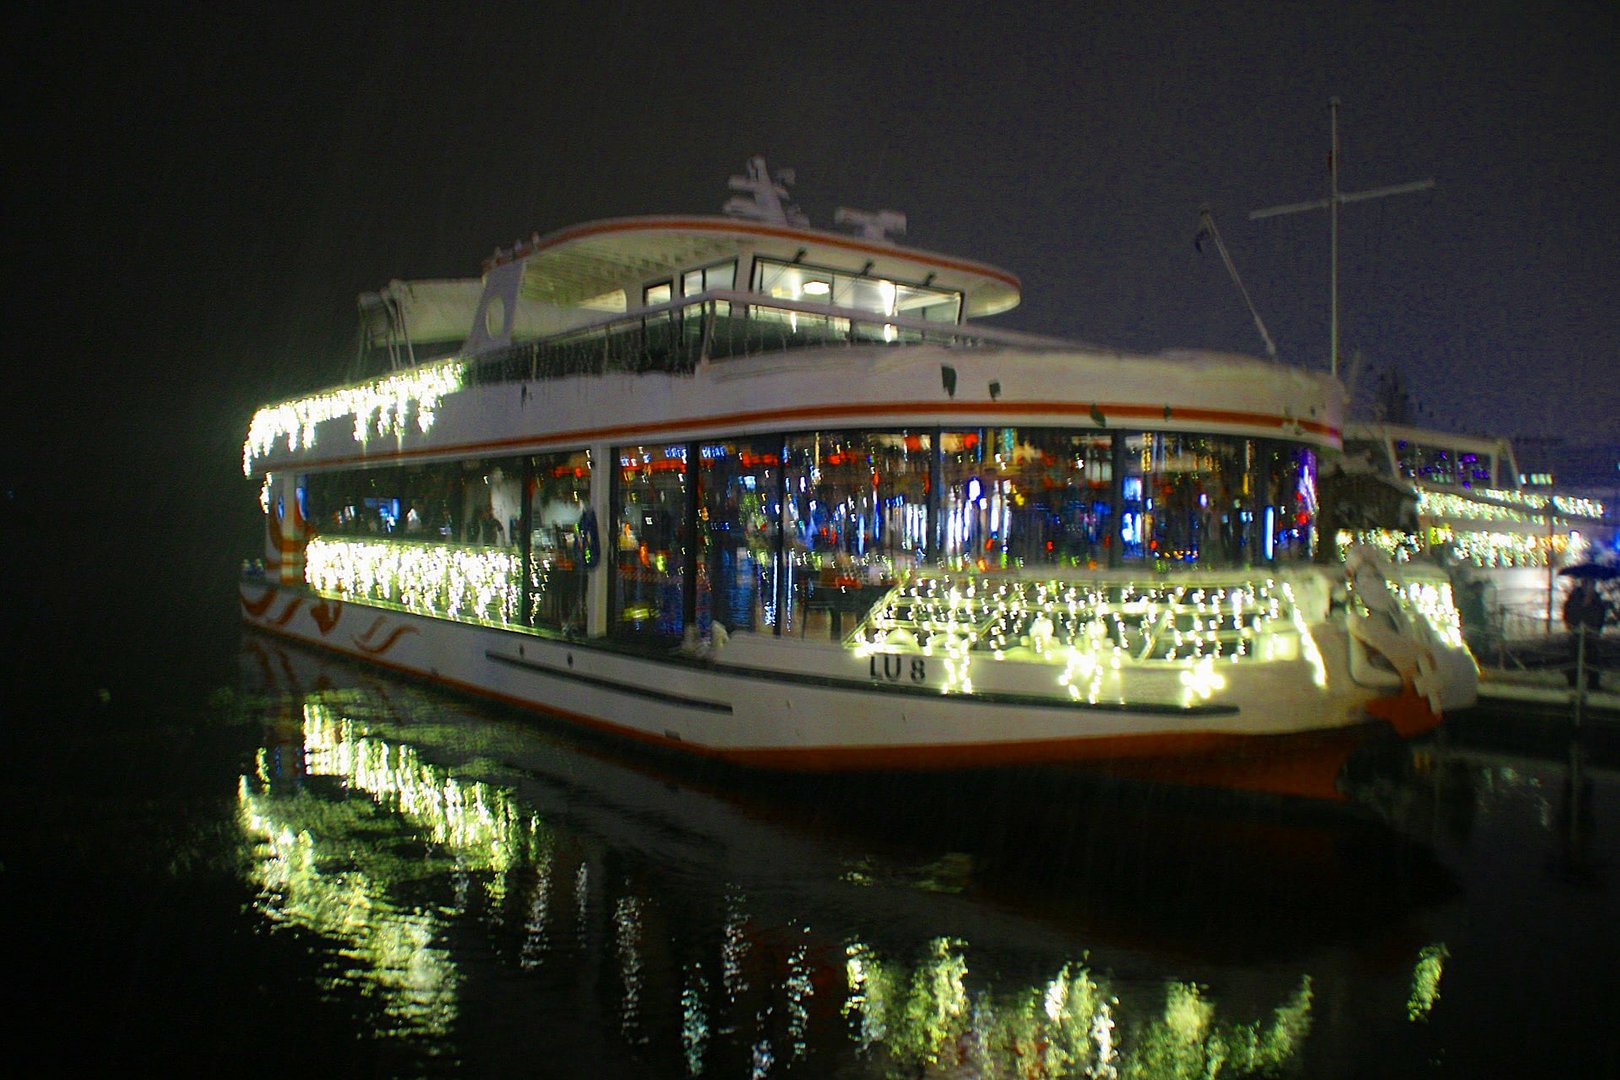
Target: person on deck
x,y
1584,613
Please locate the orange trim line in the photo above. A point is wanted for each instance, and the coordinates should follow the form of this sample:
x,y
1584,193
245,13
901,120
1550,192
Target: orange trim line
x,y
780,232
1189,748
822,412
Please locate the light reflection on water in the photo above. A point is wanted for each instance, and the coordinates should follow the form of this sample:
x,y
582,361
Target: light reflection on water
x,y
467,864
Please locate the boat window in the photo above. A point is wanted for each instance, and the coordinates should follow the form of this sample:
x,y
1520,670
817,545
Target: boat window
x,y
1026,497
1432,464
472,502
855,515
661,293
441,539
739,535
650,542
1188,499
1023,497
559,492
720,276
821,285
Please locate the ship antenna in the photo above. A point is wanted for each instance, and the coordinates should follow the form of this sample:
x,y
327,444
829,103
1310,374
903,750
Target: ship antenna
x,y
1331,203
769,196
1206,227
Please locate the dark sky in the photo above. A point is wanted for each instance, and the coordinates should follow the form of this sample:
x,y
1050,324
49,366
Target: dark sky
x,y
195,198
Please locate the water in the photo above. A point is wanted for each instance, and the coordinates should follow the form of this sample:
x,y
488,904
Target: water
x,y
223,854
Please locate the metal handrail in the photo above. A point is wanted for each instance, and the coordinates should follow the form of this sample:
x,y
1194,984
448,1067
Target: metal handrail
x,y
677,335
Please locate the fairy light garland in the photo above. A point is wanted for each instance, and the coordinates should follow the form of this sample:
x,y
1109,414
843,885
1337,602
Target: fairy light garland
x,y
382,406
1482,548
1088,628
1504,505
451,581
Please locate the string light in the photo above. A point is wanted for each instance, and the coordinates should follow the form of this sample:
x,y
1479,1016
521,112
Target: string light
x,y
447,580
382,406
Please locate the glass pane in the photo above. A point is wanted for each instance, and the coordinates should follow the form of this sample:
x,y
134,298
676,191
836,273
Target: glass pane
x,y
739,492
558,497
649,542
856,515
1189,499
1027,497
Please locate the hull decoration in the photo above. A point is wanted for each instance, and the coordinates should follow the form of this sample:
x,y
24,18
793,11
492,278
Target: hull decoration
x,y
941,547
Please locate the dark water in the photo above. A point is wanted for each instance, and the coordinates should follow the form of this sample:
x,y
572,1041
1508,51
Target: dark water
x,y
227,856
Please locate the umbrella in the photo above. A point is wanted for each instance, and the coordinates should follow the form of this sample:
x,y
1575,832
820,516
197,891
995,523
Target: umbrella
x,y
1591,571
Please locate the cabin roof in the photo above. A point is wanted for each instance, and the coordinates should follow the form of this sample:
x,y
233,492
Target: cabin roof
x,y
577,263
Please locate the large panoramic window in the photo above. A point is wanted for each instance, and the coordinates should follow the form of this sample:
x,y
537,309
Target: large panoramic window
x,y
440,539
739,516
650,542
799,533
1187,499
856,514
1014,497
468,502
559,497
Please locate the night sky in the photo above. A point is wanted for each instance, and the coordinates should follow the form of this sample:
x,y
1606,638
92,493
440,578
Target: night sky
x,y
195,199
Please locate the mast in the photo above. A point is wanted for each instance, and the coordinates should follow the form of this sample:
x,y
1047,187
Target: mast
x,y
1335,197
1206,220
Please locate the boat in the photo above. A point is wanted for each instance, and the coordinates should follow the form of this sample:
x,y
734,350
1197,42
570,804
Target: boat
x,y
749,490
1502,541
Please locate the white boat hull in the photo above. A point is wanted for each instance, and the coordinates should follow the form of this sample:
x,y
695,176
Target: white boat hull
x,y
787,704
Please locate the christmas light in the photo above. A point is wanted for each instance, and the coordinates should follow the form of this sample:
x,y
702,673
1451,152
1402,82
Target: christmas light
x,y
381,406
475,584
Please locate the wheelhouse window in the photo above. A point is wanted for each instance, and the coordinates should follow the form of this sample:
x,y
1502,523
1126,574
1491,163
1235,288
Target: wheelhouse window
x,y
720,276
859,292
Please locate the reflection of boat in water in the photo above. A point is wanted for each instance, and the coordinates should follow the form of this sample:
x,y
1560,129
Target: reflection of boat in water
x,y
714,932
745,489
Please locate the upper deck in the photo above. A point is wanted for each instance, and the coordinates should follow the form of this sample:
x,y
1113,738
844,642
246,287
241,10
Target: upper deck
x,y
651,260
669,295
